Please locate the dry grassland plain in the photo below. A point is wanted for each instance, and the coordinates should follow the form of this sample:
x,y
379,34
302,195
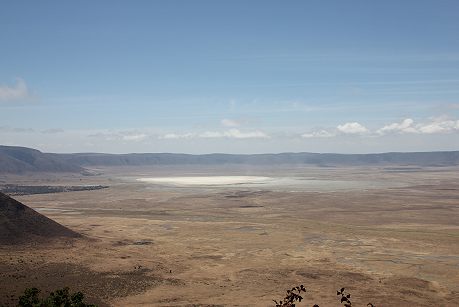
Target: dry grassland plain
x,y
389,235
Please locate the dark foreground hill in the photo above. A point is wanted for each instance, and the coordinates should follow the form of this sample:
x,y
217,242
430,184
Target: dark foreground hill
x,y
21,224
22,159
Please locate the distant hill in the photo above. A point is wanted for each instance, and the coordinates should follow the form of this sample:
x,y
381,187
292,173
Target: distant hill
x,y
442,158
22,159
21,224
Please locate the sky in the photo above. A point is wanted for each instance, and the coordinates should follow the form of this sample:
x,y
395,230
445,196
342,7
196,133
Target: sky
x,y
230,76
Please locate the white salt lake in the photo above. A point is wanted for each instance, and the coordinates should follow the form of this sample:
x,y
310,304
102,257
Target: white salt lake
x,y
282,183
208,180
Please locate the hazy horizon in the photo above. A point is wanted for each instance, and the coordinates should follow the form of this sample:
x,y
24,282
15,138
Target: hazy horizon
x,y
234,77
232,153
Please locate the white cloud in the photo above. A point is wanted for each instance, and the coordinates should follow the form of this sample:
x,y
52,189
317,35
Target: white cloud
x,y
211,134
173,136
406,126
17,92
352,128
52,130
135,137
235,133
438,125
231,134
129,136
106,136
8,129
319,134
230,122
347,128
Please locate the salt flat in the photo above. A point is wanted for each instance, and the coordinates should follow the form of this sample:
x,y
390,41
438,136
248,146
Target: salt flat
x,y
207,180
275,182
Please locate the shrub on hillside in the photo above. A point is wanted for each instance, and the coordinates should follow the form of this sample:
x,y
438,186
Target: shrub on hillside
x,y
294,295
58,298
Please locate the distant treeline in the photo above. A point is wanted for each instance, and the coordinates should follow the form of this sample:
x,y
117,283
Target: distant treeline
x,y
13,189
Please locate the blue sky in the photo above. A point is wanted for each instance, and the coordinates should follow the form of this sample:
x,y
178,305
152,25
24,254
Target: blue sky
x,y
230,76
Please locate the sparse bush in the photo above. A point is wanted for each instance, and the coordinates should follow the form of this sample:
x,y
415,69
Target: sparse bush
x,y
294,295
345,297
58,298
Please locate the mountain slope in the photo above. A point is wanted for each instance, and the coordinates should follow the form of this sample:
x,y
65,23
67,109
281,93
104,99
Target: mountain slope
x,y
445,158
22,159
20,224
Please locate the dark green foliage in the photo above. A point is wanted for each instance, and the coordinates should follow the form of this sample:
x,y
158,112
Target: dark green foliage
x,y
30,298
58,298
